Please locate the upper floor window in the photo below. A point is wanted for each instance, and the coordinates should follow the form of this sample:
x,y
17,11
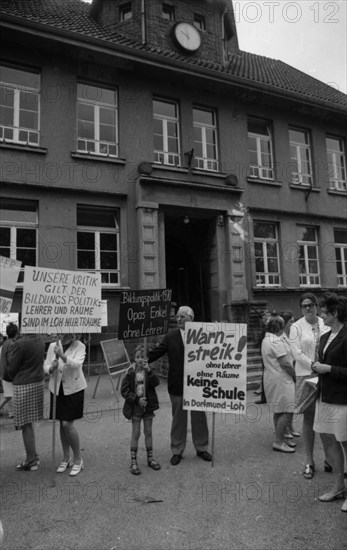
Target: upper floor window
x,y
125,11
307,240
199,22
98,242
340,236
97,124
18,232
266,249
205,139
336,163
260,149
19,106
300,156
166,132
168,12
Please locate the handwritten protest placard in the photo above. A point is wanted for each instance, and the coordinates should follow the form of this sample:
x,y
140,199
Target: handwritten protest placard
x,y
9,271
57,301
215,367
144,313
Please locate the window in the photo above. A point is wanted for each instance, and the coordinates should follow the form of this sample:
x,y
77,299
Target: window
x,y
266,254
336,163
300,156
125,12
341,256
308,255
98,242
205,139
18,232
97,121
168,12
166,133
199,22
260,149
19,106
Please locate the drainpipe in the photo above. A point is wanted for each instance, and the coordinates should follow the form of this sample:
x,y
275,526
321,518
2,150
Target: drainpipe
x,y
143,21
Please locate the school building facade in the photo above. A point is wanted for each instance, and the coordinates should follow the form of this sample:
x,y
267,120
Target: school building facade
x,y
138,140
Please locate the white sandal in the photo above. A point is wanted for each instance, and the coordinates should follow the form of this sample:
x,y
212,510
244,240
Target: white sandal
x,y
64,465
76,468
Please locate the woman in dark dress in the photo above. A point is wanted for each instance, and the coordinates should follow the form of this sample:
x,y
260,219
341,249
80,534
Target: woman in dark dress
x,y
65,361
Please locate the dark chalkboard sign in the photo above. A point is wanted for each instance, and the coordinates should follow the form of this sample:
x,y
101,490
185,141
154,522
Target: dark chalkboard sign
x,y
144,313
116,356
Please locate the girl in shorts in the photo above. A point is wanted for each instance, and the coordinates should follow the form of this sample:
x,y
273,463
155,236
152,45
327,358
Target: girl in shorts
x,y
138,390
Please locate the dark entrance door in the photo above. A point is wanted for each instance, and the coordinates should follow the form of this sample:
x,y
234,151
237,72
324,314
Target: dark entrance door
x,y
187,250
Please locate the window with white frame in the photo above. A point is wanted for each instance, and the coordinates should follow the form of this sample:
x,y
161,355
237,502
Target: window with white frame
x,y
307,239
199,22
205,139
98,242
336,163
97,124
18,232
300,157
168,12
340,236
19,106
260,149
166,133
125,11
266,249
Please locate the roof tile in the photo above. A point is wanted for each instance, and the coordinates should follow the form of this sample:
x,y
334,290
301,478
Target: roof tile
x,y
273,74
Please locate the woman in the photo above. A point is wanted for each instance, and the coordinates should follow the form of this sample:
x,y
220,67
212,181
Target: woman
x,y
331,410
25,370
264,318
279,377
288,319
6,352
304,338
65,360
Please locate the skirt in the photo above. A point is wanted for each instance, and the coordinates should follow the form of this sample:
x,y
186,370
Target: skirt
x,y
331,419
28,403
69,407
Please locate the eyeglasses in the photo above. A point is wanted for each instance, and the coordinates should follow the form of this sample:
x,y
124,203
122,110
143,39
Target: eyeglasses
x,y
308,306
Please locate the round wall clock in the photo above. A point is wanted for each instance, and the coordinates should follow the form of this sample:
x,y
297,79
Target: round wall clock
x,y
187,36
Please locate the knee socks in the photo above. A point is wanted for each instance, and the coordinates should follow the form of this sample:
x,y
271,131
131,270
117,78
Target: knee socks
x,y
133,457
149,455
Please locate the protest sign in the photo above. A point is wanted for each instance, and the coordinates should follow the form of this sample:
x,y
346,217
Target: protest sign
x,y
59,301
215,367
9,271
144,313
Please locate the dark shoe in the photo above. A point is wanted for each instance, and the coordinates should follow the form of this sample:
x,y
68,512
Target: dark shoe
x,y
309,471
28,466
154,465
204,455
135,470
175,459
327,467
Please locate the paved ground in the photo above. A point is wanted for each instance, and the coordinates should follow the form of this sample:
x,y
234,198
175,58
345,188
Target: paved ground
x,y
251,498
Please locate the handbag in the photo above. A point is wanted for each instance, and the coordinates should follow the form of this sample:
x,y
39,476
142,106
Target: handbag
x,y
307,393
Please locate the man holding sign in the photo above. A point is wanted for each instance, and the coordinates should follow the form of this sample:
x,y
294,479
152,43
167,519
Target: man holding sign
x,y
173,345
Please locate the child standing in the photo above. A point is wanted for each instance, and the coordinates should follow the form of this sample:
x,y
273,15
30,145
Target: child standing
x,y
138,390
